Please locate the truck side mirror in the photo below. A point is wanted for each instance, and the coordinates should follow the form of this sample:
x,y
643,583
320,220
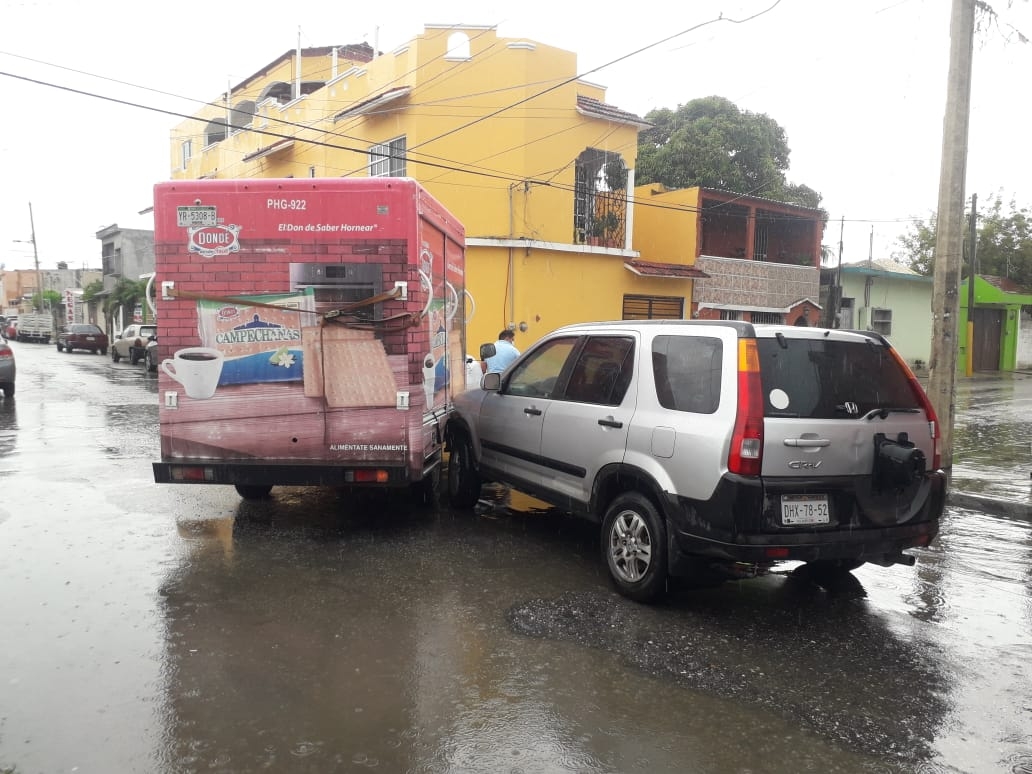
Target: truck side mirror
x,y
487,350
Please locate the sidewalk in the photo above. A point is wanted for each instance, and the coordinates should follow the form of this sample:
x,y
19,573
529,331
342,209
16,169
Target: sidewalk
x,y
992,444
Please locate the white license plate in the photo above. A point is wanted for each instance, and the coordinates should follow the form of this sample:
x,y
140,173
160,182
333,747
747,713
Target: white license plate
x,y
90,338
804,509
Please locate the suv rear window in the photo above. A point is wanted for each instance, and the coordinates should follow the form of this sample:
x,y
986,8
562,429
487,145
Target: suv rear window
x,y
826,379
88,329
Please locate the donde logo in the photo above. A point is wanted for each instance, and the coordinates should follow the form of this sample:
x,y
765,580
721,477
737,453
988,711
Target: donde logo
x,y
209,241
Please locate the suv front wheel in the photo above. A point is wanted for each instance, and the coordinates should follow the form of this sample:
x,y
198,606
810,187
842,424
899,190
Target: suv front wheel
x,y
463,480
635,548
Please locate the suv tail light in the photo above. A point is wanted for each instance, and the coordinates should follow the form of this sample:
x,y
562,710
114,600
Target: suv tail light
x,y
746,455
926,404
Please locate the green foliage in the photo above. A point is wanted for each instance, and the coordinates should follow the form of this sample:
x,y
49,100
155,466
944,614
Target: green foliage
x,y
709,142
1004,242
125,296
92,290
51,299
918,246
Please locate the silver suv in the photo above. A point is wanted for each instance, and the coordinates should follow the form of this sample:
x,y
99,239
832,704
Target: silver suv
x,y
711,450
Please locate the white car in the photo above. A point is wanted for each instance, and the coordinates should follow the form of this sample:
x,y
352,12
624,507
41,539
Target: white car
x,y
132,342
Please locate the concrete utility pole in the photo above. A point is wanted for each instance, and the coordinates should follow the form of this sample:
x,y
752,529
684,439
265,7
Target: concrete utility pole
x,y
949,236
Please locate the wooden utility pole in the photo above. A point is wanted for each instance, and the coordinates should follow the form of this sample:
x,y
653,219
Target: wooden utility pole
x,y
972,249
949,236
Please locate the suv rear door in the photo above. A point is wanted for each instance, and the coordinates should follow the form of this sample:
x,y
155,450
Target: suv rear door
x,y
830,400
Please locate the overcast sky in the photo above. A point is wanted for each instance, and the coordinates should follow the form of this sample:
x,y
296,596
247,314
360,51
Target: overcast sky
x,y
859,87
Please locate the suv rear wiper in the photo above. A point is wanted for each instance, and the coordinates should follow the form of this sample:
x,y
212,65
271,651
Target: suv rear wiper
x,y
884,412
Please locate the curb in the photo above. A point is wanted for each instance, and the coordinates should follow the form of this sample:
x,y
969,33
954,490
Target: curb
x,y
1010,508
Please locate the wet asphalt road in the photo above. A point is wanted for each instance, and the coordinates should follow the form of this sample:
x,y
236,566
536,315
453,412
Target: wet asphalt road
x,y
158,628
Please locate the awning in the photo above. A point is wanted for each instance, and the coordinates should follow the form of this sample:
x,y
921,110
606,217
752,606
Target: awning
x,y
268,150
664,270
373,103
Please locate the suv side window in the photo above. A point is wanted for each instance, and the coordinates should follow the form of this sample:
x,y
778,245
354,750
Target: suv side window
x,y
537,375
688,371
603,371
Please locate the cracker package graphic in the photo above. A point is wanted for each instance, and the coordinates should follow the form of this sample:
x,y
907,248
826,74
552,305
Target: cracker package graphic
x,y
261,340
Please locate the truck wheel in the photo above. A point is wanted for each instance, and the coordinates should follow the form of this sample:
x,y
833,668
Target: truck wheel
x,y
103,350
463,479
253,491
424,493
115,357
8,390
634,547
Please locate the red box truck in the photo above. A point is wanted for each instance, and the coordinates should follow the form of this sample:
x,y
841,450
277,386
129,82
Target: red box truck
x,y
310,332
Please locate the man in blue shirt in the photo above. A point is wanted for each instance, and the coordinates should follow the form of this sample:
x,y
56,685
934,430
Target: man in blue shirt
x,y
504,354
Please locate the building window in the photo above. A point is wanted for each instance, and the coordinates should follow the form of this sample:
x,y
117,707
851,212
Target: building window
x,y
881,321
458,47
771,318
388,159
214,132
730,314
187,149
653,308
600,199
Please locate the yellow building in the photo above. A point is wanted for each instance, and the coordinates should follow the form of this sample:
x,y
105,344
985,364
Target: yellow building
x,y
527,155
533,162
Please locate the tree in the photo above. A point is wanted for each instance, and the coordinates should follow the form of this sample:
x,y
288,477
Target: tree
x,y
51,299
125,296
1003,242
92,290
918,246
709,142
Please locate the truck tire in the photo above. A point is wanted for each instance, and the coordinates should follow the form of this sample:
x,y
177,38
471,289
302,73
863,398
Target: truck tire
x,y
8,389
115,357
634,547
463,479
253,491
424,493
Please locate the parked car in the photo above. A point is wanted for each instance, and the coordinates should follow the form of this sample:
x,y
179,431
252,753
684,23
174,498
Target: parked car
x,y
82,336
712,450
151,354
11,328
7,370
131,343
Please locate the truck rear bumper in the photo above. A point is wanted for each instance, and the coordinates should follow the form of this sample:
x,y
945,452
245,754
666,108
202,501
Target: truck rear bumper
x,y
285,473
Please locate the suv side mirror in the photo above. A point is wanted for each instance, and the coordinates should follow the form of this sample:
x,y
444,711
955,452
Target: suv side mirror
x,y
487,350
491,381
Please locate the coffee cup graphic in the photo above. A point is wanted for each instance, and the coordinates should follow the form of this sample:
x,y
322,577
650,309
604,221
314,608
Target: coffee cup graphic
x,y
197,369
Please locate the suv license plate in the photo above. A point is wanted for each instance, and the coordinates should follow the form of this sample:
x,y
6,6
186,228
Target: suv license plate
x,y
804,509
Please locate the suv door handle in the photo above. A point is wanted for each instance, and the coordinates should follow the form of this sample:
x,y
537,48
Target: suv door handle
x,y
536,412
610,423
807,443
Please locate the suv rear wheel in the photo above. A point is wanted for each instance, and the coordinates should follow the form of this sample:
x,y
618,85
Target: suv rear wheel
x,y
635,548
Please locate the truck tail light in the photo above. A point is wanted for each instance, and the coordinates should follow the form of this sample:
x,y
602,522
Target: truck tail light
x,y
746,455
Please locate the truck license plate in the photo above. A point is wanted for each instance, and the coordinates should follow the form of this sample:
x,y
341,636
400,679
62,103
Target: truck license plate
x,y
804,509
